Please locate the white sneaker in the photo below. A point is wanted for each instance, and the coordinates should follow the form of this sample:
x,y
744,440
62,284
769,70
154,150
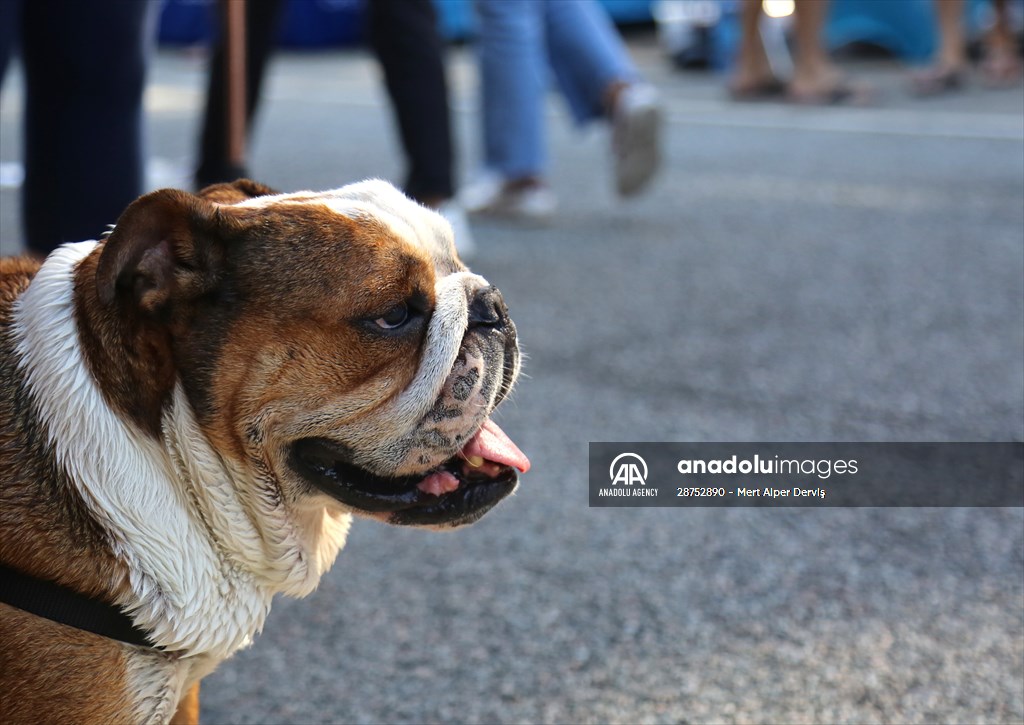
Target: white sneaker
x,y
636,133
456,216
489,195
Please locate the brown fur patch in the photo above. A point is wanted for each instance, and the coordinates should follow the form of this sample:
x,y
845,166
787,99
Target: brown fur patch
x,y
308,289
236,191
129,355
59,674
15,275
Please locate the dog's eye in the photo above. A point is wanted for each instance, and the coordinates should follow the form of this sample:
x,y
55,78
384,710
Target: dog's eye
x,y
395,317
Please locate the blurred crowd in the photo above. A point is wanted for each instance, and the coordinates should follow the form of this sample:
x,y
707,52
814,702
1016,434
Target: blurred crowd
x,y
85,68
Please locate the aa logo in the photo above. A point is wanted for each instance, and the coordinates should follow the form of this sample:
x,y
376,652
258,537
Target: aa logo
x,y
628,469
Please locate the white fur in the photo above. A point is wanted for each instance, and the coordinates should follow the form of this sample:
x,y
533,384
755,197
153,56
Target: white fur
x,y
378,200
286,550
203,563
444,339
158,682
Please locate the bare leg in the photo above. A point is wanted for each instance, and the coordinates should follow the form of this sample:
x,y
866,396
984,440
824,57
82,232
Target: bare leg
x,y
952,43
753,76
814,74
946,73
1002,65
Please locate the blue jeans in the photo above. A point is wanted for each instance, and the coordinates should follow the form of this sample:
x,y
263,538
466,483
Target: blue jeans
x,y
519,41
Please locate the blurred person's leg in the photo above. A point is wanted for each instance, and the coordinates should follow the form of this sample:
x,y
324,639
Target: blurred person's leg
x,y
513,82
598,79
813,70
10,13
952,42
753,78
816,79
406,40
85,67
1001,66
261,18
588,57
948,71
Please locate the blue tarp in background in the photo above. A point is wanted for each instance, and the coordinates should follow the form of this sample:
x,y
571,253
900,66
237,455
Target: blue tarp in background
x,y
331,23
906,28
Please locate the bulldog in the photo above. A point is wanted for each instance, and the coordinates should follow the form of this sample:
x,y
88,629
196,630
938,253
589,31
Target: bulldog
x,y
192,410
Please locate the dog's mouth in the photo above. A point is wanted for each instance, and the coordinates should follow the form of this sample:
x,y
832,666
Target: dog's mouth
x,y
457,492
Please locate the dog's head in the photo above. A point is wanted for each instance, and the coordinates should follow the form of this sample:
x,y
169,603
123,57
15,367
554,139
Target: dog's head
x,y
331,343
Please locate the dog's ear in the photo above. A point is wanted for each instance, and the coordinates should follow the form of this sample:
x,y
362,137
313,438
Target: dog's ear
x,y
166,243
236,191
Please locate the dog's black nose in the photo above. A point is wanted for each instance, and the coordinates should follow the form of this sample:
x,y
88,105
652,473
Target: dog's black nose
x,y
487,308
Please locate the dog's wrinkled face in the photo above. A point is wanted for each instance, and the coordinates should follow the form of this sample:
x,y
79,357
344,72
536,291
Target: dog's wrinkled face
x,y
331,343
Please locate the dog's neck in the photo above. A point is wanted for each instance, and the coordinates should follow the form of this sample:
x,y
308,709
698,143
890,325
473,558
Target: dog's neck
x,y
242,510
203,561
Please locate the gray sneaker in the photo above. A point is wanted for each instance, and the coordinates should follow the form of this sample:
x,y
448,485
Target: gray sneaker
x,y
489,196
636,134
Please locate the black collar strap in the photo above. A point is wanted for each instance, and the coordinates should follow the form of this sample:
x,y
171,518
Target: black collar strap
x,y
60,604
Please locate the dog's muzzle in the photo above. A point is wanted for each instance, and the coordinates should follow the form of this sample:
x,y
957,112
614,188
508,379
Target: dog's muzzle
x,y
473,476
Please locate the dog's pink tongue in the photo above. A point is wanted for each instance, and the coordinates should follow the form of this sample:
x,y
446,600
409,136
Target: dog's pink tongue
x,y
491,444
438,483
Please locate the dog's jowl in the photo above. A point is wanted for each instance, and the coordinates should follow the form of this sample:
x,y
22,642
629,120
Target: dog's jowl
x,y
192,410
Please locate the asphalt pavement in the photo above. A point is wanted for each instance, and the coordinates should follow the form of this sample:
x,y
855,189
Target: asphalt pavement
x,y
796,274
